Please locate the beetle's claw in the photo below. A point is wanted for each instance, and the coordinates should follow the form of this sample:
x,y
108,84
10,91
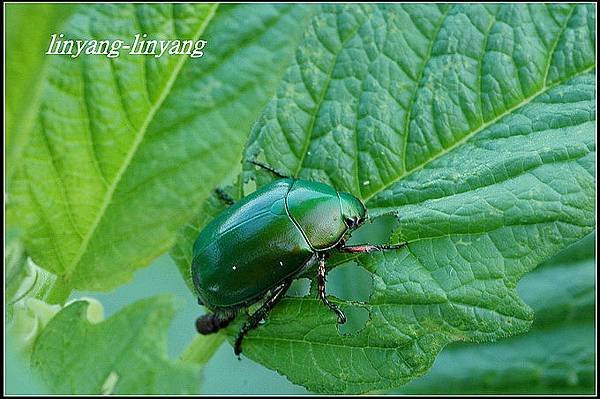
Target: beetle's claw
x,y
341,316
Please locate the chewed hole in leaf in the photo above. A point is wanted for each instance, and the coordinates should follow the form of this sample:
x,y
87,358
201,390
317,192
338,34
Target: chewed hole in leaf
x,y
350,282
378,231
299,288
249,186
357,318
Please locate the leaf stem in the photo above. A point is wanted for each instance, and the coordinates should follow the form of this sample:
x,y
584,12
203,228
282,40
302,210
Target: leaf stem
x,y
202,348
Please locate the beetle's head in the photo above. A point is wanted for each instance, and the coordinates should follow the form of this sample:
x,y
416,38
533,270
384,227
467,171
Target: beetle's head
x,y
353,210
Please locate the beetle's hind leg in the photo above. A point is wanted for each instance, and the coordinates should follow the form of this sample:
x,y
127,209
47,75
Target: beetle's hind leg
x,y
321,278
255,318
213,322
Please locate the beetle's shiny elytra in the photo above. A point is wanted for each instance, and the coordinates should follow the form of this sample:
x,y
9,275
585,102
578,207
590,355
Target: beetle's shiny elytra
x,y
267,237
257,246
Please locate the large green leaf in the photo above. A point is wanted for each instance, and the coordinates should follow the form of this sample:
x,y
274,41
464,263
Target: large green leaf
x,y
475,125
25,55
556,356
124,150
125,354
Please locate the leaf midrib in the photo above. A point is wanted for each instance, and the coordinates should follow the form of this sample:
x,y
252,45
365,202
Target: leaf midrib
x,y
322,95
133,149
544,89
479,188
419,85
484,126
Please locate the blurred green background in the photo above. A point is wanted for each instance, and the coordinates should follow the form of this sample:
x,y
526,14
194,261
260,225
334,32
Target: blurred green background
x,y
224,372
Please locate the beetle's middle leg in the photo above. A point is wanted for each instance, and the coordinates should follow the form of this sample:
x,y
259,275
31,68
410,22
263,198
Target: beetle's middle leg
x,y
254,320
321,278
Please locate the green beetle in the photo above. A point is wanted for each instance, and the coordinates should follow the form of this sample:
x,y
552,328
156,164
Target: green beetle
x,y
257,246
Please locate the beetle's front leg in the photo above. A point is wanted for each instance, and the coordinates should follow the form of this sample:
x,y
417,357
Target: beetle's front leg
x,y
257,316
321,277
370,248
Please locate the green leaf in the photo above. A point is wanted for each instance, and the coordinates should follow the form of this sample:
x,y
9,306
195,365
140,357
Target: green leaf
x,y
556,356
28,318
125,354
28,293
25,54
475,125
31,315
124,150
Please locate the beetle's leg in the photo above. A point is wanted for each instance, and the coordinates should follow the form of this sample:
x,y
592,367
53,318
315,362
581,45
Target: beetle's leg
x,y
224,197
270,169
256,317
321,277
213,322
370,248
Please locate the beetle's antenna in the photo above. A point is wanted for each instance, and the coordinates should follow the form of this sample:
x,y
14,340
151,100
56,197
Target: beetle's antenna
x,y
270,169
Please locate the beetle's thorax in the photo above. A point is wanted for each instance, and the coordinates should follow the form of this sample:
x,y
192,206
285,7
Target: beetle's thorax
x,y
353,210
317,211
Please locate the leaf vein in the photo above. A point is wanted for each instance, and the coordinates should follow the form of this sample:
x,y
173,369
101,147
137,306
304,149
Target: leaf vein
x,y
555,44
413,99
321,98
479,129
135,145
